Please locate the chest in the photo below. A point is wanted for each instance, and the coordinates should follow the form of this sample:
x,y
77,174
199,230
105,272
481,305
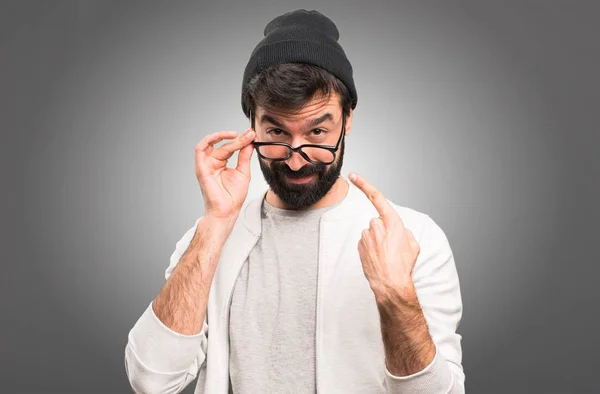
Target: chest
x,y
346,321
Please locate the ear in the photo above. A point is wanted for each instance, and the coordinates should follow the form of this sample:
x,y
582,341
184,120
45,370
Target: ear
x,y
349,122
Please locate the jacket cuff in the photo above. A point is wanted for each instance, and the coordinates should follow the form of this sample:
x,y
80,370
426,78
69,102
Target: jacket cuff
x,y
433,379
161,349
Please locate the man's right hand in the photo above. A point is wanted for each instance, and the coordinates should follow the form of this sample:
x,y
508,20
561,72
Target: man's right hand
x,y
182,303
224,189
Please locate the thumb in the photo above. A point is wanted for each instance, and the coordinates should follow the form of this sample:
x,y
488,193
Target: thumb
x,y
411,239
243,164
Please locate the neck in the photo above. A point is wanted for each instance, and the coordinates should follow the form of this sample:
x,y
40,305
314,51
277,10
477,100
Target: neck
x,y
336,194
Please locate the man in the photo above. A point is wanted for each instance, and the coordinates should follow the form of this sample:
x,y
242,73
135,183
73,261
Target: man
x,y
322,285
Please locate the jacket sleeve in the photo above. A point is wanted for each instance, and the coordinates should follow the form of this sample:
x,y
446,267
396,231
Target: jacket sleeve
x,y
437,285
158,359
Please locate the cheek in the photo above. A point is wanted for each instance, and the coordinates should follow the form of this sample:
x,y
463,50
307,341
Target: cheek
x,y
277,168
333,166
264,164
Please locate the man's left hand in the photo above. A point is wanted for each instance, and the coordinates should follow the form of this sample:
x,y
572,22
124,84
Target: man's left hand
x,y
387,249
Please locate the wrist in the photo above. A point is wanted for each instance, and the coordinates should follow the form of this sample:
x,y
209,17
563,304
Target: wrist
x,y
392,295
209,239
217,228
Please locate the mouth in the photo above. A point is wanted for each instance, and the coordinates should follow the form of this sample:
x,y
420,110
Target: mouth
x,y
305,179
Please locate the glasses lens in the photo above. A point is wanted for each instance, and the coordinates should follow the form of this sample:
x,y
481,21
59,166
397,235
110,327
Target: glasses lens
x,y
273,151
318,154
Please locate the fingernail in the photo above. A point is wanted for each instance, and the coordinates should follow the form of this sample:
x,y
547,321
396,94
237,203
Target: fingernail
x,y
247,131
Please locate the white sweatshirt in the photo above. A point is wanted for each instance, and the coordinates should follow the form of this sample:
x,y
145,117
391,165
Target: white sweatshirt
x,y
349,350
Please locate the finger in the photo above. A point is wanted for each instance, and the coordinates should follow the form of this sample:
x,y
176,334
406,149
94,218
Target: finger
x,y
205,148
385,210
378,228
211,139
365,235
226,151
243,164
411,240
361,249
363,246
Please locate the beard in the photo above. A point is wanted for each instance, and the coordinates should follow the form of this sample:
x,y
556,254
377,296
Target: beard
x,y
301,196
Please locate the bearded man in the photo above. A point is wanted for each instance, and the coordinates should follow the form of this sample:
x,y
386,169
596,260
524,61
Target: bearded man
x,y
321,285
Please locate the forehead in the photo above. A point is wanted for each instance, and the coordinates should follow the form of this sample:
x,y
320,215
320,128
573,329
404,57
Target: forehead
x,y
314,108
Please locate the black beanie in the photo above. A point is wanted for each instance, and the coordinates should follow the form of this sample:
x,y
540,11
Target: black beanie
x,y
301,36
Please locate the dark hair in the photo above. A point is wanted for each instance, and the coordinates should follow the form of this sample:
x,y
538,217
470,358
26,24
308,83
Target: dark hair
x,y
290,86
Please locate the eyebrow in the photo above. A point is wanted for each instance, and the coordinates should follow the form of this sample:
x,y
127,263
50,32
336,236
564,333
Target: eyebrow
x,y
311,123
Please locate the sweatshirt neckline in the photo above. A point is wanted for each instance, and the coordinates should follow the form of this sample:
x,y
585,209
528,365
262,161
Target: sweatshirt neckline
x,y
341,211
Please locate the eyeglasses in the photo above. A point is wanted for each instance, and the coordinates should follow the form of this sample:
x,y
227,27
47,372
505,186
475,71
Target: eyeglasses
x,y
315,154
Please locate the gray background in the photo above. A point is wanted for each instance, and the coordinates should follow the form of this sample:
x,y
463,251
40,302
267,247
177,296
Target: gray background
x,y
482,114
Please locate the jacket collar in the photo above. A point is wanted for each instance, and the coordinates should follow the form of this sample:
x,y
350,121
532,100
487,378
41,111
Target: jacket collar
x,y
252,212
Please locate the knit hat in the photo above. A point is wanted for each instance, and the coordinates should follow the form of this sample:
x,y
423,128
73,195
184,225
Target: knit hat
x,y
301,36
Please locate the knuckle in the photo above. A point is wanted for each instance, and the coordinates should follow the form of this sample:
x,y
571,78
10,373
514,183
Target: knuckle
x,y
413,241
205,140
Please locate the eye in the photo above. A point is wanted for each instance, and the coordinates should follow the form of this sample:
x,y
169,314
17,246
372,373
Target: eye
x,y
276,132
318,132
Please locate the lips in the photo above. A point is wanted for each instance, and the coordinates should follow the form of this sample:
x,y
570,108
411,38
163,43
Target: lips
x,y
300,180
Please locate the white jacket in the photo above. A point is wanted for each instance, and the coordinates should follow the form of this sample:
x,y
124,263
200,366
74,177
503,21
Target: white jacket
x,y
349,350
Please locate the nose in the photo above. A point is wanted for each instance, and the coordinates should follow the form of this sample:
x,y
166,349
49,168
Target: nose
x,y
296,161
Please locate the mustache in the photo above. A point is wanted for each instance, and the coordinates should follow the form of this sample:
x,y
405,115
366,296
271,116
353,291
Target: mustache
x,y
304,171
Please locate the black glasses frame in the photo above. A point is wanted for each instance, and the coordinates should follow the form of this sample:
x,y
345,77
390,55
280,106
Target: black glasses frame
x,y
298,149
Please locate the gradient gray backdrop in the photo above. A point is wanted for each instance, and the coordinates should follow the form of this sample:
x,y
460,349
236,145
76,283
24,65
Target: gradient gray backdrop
x,y
482,114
